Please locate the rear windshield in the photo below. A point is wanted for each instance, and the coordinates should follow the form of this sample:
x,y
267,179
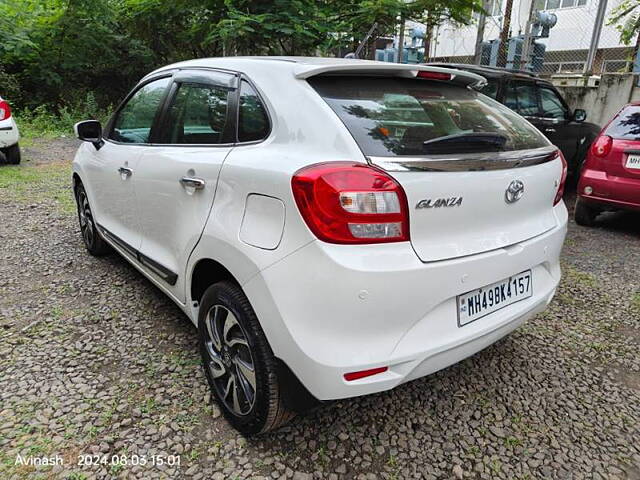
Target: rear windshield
x,y
626,125
395,116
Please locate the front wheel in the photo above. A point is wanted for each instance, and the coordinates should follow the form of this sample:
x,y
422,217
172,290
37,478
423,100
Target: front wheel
x,y
92,239
585,214
238,362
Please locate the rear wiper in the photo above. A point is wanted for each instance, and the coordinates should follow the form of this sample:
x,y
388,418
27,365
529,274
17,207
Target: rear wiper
x,y
466,142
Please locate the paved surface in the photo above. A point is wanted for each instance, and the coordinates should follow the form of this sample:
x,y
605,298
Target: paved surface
x,y
95,360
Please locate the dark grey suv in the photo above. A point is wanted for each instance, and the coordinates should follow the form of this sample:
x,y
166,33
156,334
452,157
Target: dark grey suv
x,y
539,102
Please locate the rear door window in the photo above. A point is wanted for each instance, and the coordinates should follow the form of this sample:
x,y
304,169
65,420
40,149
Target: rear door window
x,y
198,115
395,116
253,122
626,125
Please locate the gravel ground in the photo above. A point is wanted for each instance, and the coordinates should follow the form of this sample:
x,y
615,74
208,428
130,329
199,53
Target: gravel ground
x,y
95,360
42,151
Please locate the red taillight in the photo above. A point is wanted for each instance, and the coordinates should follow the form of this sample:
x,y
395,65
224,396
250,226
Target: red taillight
x,y
344,202
5,110
602,146
434,75
364,373
563,180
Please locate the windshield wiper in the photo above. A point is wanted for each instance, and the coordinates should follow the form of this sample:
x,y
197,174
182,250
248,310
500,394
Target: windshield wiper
x,y
466,142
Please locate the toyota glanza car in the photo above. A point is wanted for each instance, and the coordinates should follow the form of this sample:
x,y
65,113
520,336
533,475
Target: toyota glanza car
x,y
332,227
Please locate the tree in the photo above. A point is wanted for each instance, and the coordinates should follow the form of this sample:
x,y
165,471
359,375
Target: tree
x,y
433,13
54,52
289,27
626,18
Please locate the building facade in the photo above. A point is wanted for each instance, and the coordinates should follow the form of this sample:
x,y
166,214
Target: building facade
x,y
566,46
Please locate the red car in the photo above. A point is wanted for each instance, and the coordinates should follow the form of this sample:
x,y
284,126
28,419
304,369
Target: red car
x,y
610,177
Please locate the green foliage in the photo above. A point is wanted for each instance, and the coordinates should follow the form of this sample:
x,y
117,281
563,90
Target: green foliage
x,y
289,27
46,121
55,51
626,18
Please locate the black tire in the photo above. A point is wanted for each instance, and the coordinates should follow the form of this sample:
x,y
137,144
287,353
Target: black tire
x,y
91,238
13,154
225,308
585,214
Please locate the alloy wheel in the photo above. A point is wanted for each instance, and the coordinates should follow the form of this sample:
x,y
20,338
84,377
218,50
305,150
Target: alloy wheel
x,y
229,360
87,226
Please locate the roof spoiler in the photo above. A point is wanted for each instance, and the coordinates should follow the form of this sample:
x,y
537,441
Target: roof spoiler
x,y
364,67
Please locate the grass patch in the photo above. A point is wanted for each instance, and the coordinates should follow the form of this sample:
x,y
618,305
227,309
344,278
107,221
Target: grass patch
x,y
193,454
39,184
45,121
512,442
149,405
576,277
77,476
635,301
16,176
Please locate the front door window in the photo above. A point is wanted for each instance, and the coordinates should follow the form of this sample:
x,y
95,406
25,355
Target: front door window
x,y
134,121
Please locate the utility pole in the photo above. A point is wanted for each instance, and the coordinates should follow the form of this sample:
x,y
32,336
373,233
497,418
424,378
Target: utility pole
x,y
595,37
428,34
504,35
526,44
482,20
401,38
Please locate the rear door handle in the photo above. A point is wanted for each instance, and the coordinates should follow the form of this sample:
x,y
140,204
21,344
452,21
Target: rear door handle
x,y
192,182
125,172
550,130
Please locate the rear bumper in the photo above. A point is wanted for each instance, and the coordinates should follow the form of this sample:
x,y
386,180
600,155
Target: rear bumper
x,y
610,191
328,309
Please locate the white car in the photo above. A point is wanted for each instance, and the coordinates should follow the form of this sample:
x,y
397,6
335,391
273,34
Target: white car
x,y
332,227
9,135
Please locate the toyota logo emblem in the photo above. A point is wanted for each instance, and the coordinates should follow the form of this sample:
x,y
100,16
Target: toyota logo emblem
x,y
514,192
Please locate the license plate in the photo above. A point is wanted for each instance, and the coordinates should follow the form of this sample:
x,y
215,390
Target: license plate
x,y
633,161
483,301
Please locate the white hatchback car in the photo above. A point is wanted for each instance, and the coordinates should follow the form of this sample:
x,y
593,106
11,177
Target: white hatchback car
x,y
333,227
9,135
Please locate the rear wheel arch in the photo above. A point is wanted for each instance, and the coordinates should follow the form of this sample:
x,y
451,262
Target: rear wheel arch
x,y
205,273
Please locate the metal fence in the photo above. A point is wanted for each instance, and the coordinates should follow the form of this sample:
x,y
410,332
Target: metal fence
x,y
546,36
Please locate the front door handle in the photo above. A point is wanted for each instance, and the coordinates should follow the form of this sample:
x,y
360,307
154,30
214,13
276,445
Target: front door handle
x,y
125,172
192,182
550,130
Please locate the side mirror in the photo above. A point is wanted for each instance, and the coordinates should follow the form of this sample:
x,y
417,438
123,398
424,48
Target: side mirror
x,y
579,115
90,131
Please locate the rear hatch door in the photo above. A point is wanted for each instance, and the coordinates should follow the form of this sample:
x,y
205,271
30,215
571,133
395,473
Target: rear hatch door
x,y
477,175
